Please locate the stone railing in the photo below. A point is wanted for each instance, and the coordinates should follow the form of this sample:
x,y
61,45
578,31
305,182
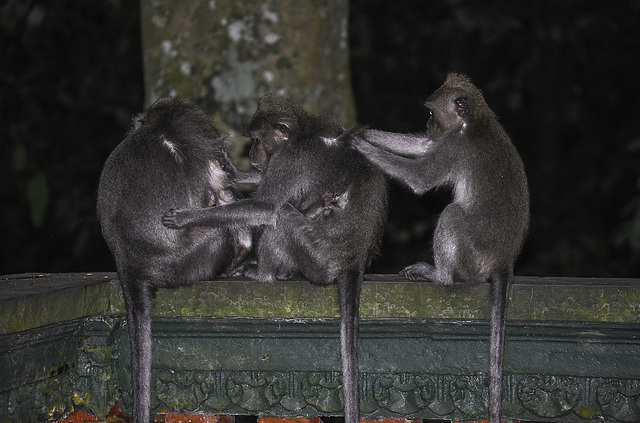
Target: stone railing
x,y
238,347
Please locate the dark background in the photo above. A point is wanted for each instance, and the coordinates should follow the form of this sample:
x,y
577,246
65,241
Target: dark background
x,y
564,78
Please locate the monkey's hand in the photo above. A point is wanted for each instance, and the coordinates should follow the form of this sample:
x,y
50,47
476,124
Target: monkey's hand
x,y
172,219
356,140
351,134
363,146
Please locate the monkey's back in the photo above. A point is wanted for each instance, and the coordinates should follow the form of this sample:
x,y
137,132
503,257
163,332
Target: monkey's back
x,y
357,230
492,189
140,181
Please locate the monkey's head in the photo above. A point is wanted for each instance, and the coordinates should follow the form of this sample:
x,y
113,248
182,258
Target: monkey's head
x,y
190,142
276,122
268,139
455,105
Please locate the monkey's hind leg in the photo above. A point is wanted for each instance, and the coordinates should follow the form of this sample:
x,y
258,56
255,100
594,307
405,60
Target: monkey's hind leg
x,y
295,247
274,259
453,240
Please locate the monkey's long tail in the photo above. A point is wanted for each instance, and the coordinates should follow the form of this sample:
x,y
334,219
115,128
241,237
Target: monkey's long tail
x,y
499,293
138,299
349,287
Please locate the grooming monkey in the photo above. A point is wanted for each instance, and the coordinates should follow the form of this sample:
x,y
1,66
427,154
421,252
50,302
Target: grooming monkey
x,y
308,167
479,235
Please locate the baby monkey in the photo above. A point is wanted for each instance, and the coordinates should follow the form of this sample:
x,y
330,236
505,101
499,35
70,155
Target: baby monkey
x,y
480,233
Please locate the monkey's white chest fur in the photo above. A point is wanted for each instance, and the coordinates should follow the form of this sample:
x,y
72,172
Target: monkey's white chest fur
x,y
462,192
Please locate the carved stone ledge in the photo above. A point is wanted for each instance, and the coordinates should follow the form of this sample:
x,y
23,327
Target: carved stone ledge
x,y
237,347
527,397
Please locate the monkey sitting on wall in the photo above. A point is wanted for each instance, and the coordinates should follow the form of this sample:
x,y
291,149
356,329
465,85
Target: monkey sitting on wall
x,y
308,165
479,235
173,155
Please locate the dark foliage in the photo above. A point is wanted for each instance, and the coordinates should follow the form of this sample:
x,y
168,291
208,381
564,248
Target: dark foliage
x,y
562,76
70,79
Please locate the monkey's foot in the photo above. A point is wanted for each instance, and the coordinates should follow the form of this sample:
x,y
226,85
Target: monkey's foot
x,y
234,271
253,271
419,271
172,220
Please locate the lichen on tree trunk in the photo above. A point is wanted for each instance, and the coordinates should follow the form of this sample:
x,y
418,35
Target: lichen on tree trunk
x,y
223,55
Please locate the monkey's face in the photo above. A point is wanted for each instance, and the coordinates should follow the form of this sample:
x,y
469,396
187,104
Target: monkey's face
x,y
274,124
448,113
267,140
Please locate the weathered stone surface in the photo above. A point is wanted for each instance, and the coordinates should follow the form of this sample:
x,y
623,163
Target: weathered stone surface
x,y
39,299
28,301
233,346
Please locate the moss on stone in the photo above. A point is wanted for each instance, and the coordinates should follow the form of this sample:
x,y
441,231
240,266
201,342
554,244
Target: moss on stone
x,y
29,301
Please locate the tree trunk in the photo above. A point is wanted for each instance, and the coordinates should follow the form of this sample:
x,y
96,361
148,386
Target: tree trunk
x,y
223,55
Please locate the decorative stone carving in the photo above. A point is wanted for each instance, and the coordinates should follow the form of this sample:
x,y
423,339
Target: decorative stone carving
x,y
183,390
323,391
549,396
300,393
470,394
442,404
255,391
292,400
403,393
620,399
37,402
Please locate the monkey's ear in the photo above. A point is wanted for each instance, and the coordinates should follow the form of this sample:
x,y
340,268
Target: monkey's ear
x,y
462,106
284,128
138,121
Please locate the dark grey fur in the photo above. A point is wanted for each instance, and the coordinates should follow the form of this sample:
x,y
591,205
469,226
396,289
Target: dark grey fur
x,y
173,156
306,160
479,235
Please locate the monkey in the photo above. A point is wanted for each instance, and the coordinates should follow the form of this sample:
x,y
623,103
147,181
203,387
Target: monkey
x,y
172,155
479,235
307,159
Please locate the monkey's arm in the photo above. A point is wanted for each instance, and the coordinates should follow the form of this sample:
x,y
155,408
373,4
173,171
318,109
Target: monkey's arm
x,y
251,177
420,174
249,212
401,144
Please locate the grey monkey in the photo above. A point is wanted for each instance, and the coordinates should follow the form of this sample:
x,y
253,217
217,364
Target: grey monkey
x,y
480,233
319,212
172,156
